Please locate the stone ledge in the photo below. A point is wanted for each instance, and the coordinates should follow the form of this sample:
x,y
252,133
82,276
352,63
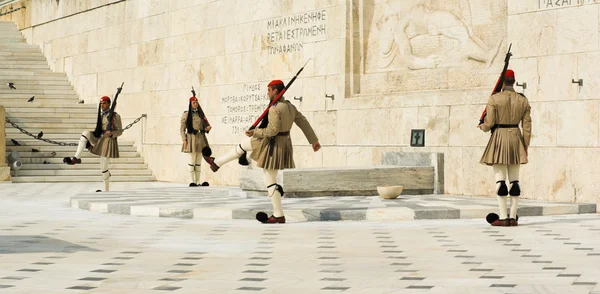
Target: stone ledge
x,y
227,203
353,181
419,172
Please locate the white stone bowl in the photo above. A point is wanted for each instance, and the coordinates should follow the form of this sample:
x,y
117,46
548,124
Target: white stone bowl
x,y
389,192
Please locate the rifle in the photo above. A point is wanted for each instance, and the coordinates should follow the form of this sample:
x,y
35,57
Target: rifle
x,y
200,109
277,97
112,108
98,130
499,83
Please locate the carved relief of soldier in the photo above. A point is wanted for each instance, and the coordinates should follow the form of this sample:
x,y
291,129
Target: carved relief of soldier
x,y
102,141
193,128
400,24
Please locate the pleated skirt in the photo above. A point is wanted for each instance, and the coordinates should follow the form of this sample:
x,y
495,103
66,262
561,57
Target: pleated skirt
x,y
506,146
195,143
281,158
106,147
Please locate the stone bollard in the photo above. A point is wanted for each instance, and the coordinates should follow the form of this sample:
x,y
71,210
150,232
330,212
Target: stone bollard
x,y
4,169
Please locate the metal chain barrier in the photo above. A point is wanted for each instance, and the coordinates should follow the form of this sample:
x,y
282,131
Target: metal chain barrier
x,y
61,143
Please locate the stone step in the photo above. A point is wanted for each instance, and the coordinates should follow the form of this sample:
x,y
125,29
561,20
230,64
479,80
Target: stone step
x,y
87,166
30,72
47,147
45,99
49,112
22,53
62,154
34,78
95,178
92,160
55,126
6,25
35,82
30,88
15,116
6,34
35,143
12,133
6,90
63,134
41,101
53,119
9,26
11,39
19,47
23,66
82,173
7,30
6,57
57,112
23,62
48,107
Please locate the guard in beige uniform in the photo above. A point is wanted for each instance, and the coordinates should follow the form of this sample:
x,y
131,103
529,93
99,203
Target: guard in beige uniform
x,y
100,141
271,146
193,129
507,147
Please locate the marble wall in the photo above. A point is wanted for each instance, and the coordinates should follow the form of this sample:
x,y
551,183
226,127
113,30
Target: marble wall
x,y
391,66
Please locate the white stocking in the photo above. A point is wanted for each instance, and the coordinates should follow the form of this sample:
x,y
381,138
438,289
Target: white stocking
x,y
513,177
235,153
270,179
500,175
82,143
105,173
197,165
192,173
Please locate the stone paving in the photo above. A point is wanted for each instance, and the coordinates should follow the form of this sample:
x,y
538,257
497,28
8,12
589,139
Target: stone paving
x,y
46,246
227,203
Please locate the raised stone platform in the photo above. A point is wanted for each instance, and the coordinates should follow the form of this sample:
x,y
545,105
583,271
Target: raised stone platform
x,y
225,203
417,172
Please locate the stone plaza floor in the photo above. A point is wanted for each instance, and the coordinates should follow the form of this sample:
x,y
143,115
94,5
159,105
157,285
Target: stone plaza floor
x,y
48,246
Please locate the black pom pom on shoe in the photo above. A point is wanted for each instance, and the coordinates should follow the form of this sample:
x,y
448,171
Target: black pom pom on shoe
x,y
206,151
492,217
262,217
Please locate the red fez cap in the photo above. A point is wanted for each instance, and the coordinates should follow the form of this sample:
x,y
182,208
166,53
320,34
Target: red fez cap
x,y
510,74
193,99
275,82
105,98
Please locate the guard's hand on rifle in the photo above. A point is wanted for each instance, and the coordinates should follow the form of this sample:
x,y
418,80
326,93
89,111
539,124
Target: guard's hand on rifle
x,y
207,129
479,126
316,146
249,133
108,134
